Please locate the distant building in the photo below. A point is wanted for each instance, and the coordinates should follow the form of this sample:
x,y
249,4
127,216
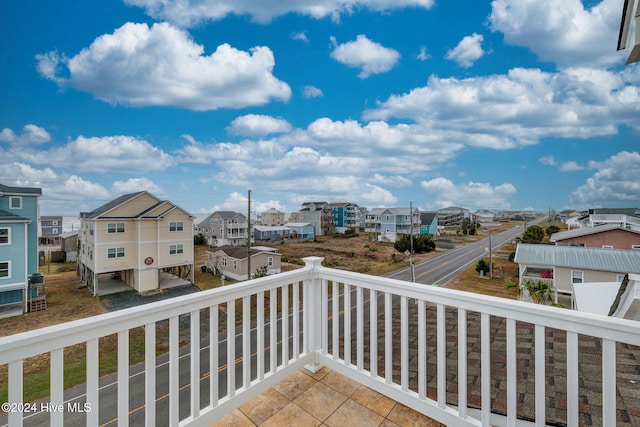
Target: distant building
x,y
389,224
223,228
272,218
232,261
344,216
50,230
301,230
429,223
452,216
318,214
270,233
608,236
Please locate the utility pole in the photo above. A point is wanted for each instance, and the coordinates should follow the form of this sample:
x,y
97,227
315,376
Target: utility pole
x,y
249,234
413,272
490,258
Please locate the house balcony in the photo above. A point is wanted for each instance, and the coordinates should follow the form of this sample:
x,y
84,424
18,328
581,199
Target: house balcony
x,y
460,359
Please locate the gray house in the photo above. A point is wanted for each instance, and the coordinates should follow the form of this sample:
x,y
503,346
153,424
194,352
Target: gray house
x,y
50,230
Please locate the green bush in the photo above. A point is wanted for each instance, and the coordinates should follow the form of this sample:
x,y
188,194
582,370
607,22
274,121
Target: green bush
x,y
421,243
482,266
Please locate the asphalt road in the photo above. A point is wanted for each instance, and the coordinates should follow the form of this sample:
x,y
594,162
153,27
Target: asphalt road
x,y
437,270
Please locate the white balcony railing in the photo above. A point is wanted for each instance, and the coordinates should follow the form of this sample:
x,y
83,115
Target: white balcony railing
x,y
460,358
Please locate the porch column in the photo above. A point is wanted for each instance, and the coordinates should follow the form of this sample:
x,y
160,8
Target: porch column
x,y
313,312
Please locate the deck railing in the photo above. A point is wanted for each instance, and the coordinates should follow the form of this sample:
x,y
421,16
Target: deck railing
x,y
460,358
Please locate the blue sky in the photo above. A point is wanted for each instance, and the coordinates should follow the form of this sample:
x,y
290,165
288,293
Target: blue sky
x,y
509,104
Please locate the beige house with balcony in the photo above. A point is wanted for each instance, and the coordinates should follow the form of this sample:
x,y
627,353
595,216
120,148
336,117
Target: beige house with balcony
x,y
137,239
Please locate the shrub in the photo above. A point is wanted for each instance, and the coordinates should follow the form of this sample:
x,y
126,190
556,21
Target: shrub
x,y
482,266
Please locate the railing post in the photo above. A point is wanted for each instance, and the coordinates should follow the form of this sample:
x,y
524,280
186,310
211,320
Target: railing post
x,y
312,312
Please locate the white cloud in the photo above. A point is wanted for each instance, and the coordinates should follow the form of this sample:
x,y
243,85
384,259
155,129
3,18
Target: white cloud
x,y
563,32
393,180
570,167
548,160
467,51
192,12
423,55
31,135
300,35
238,202
616,181
311,92
521,107
163,66
441,192
133,185
369,56
258,125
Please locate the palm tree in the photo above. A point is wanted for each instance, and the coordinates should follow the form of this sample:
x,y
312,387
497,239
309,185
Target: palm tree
x,y
540,291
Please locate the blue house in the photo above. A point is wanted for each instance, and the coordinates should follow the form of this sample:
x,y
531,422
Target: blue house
x,y
300,230
18,243
429,223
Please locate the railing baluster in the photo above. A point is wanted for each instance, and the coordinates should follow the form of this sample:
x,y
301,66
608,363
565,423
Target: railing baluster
x,y
325,316
285,325
195,363
462,363
246,342
359,329
174,370
150,374
231,348
373,332
540,375
608,382
214,331
15,391
485,366
422,350
57,385
572,379
92,382
260,336
273,334
295,318
388,339
404,344
346,307
511,373
442,356
123,378
335,320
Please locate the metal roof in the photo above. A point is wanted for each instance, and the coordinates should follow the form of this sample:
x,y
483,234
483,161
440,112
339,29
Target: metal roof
x,y
585,231
11,217
27,191
616,260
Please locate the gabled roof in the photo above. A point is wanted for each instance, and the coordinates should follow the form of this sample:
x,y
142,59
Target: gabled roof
x,y
240,252
11,217
586,231
110,205
615,260
19,191
165,205
427,217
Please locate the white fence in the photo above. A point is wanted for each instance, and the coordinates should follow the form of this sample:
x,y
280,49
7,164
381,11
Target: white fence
x,y
460,358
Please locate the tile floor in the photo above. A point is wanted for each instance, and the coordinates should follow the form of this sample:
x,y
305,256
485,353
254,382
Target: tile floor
x,y
325,398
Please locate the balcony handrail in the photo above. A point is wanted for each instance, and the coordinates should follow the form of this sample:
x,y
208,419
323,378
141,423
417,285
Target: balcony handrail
x,y
38,341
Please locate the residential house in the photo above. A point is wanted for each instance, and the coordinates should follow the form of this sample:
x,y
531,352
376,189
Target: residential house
x,y
318,214
628,218
429,223
136,238
629,36
270,233
301,230
18,245
50,230
232,261
223,228
485,216
345,216
564,266
609,236
453,216
391,223
272,218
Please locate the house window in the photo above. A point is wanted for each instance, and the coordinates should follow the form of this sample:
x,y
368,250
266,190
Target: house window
x,y
91,228
115,227
235,264
54,231
5,269
115,253
607,247
224,261
15,202
5,236
176,226
270,261
577,276
619,278
635,246
176,249
54,222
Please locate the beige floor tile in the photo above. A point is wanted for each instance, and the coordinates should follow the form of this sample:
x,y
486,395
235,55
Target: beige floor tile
x,y
320,401
378,403
406,417
318,375
294,385
291,415
387,423
264,406
340,383
234,418
353,414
